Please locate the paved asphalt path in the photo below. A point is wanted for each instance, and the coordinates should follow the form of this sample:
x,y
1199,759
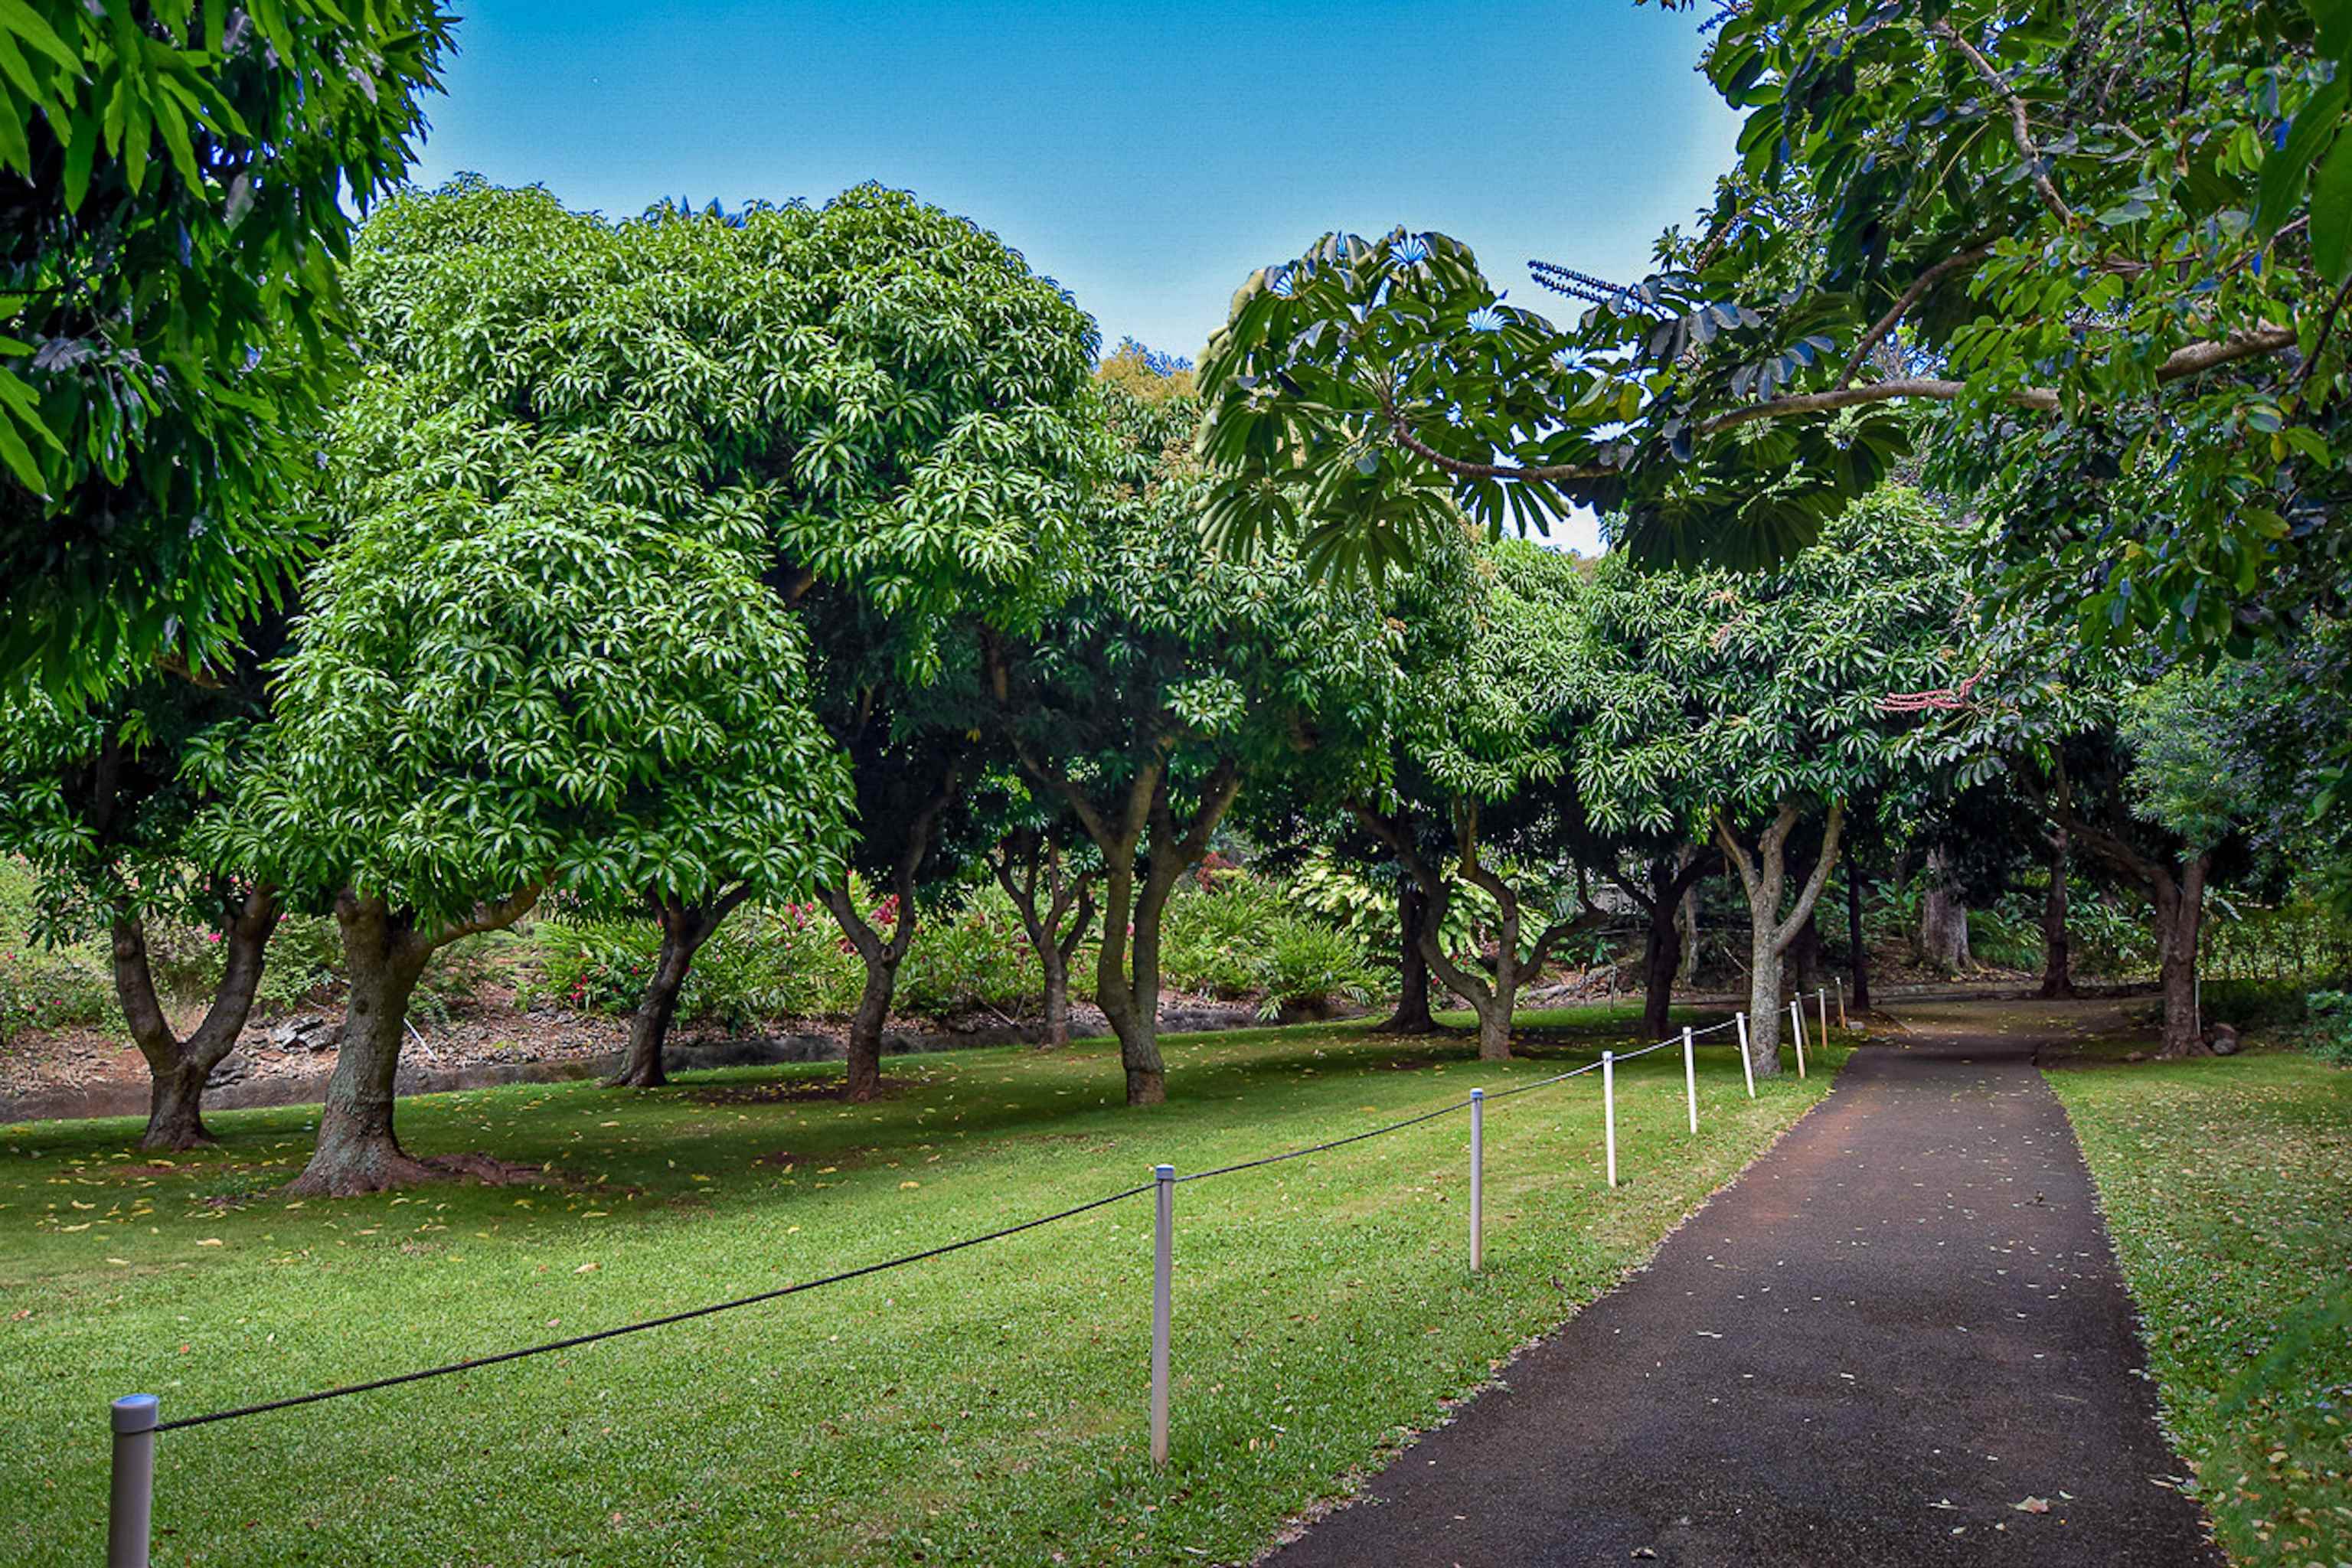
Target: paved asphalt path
x,y
1902,1321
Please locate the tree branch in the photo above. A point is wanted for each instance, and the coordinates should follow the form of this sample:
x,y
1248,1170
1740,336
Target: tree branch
x,y
1902,307
2187,361
2018,125
1557,473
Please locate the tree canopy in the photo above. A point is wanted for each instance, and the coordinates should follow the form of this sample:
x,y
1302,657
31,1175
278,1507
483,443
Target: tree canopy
x,y
2096,251
173,191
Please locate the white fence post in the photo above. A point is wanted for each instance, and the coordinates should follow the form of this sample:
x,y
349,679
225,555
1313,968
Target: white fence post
x,y
1841,1018
1609,1108
132,1498
1478,1179
1797,1016
1747,1068
1163,1261
1822,996
1690,1077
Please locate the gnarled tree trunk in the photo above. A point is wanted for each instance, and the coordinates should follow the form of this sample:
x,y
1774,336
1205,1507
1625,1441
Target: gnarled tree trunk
x,y
1412,1015
1492,999
1763,876
1687,921
685,927
1126,973
881,954
1022,869
384,954
177,1069
1666,902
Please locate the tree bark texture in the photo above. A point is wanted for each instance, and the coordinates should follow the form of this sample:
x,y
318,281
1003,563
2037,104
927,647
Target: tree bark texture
x,y
882,956
177,1069
1943,919
1763,876
384,954
685,927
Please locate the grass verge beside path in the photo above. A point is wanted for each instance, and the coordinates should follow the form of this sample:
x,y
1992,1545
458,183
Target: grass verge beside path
x,y
985,1407
2228,1186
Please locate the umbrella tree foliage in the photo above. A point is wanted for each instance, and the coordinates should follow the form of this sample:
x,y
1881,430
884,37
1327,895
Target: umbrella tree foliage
x,y
1166,679
1747,707
177,184
2099,249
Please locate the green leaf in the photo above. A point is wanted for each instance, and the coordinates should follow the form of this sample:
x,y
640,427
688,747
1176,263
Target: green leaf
x,y
2284,168
2331,212
26,24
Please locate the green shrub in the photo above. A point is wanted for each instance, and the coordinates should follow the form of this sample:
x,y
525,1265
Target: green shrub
x,y
1307,964
2327,1031
53,988
1212,940
971,954
305,964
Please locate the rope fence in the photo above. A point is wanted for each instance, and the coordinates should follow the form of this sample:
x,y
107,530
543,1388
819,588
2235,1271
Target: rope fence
x,y
134,1418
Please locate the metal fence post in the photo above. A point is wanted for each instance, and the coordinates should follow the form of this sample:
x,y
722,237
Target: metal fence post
x,y
1163,1268
1609,1108
131,1501
1843,1024
1797,1016
1478,1179
1747,1068
1690,1077
1822,997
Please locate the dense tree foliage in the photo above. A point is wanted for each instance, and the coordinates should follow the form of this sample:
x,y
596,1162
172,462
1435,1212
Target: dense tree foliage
x,y
1747,708
177,185
1166,677
2102,239
101,799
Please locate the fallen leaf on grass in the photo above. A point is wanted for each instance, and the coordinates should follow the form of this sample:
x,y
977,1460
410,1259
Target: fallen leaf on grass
x,y
586,1268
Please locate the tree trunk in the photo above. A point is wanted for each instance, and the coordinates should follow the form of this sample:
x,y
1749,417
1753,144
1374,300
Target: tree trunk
x,y
863,1077
1859,956
177,1069
384,955
685,927
1943,919
1037,861
1662,961
1412,1015
2179,911
1686,931
1057,996
1763,876
864,1047
2057,950
357,1150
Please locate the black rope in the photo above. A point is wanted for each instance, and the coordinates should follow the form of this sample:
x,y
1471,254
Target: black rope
x,y
578,1340
588,1339
1334,1144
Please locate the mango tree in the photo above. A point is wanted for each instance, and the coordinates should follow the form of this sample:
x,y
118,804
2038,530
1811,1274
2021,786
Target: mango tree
x,y
1168,673
100,798
1747,707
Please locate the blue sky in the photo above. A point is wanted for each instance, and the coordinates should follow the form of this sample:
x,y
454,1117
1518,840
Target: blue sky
x,y
1147,156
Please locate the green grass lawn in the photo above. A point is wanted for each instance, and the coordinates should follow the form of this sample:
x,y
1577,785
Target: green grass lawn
x,y
985,1407
2228,1185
